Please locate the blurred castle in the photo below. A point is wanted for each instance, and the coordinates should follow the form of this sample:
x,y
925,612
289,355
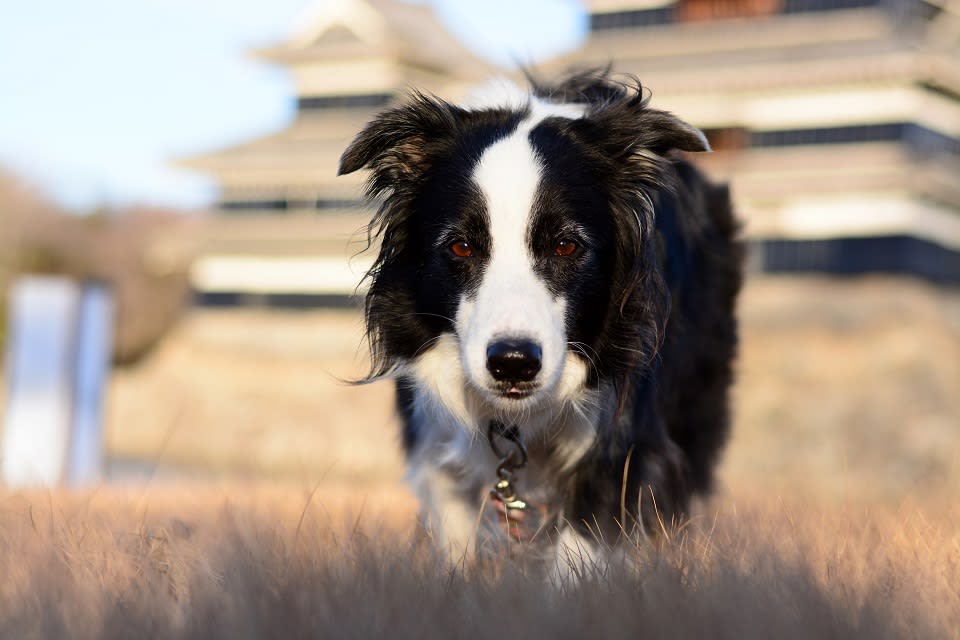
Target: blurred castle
x,y
837,122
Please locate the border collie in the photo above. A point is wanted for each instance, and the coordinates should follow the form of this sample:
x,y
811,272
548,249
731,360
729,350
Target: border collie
x,y
554,280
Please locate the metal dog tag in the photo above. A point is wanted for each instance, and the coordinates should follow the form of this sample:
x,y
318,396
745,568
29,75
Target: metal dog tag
x,y
505,492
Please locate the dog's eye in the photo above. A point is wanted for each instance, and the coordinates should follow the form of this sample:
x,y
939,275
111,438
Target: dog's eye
x,y
461,249
565,248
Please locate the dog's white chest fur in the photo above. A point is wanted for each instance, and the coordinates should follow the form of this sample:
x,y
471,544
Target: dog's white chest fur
x,y
453,467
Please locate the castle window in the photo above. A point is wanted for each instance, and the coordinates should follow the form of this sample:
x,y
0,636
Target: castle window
x,y
365,100
918,138
832,135
631,19
252,206
811,6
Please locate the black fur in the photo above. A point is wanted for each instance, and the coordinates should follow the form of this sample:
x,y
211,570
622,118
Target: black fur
x,y
654,279
676,415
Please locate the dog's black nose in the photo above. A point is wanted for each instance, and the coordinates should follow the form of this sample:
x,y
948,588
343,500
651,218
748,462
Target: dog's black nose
x,y
513,360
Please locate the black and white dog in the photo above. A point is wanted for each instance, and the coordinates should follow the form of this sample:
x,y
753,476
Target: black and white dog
x,y
554,275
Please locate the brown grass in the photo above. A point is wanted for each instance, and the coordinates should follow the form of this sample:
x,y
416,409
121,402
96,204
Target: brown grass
x,y
256,562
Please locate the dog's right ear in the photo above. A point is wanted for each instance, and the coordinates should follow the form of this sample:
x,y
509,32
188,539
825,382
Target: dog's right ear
x,y
397,145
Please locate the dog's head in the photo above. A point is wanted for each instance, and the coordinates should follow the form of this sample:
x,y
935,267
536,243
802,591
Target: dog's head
x,y
516,254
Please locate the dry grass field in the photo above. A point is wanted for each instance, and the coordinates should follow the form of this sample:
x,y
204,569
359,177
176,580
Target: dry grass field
x,y
254,495
259,562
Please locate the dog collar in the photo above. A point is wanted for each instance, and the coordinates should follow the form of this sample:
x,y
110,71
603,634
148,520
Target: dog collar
x,y
515,458
523,520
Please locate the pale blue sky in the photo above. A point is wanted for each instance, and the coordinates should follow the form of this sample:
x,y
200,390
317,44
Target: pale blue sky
x,y
97,95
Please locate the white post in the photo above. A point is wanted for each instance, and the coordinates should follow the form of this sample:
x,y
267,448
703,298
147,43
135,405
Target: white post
x,y
39,395
94,349
58,346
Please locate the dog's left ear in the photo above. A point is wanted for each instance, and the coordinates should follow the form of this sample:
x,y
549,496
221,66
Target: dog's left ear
x,y
396,145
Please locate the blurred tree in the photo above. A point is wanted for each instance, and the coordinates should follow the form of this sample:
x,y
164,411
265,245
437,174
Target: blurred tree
x,y
116,246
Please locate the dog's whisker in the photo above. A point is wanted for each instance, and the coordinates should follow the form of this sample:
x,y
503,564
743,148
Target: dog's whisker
x,y
434,315
580,347
426,344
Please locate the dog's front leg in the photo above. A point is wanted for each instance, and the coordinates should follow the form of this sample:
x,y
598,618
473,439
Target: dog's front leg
x,y
576,557
450,514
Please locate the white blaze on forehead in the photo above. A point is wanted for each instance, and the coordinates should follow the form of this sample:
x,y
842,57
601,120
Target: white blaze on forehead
x,y
508,174
513,301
